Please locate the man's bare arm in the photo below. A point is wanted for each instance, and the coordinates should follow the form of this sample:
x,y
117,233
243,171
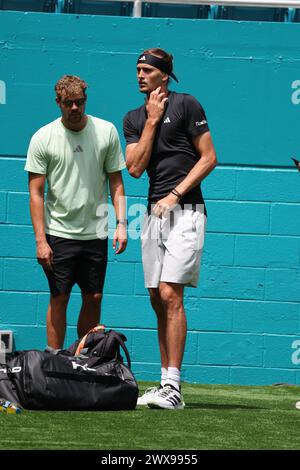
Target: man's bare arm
x,y
118,198
36,189
138,154
207,162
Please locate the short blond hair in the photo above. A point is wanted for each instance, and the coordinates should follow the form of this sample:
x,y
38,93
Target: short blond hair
x,y
70,85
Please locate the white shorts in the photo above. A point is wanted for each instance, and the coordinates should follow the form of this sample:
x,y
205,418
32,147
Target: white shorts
x,y
172,247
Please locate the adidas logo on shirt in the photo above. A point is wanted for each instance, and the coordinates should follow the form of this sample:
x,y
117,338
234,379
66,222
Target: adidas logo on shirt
x,y
142,58
167,120
201,123
78,149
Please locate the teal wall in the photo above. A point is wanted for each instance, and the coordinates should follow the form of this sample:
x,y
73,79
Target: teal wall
x,y
243,319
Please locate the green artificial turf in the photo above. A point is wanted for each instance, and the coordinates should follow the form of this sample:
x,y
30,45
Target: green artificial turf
x,y
215,417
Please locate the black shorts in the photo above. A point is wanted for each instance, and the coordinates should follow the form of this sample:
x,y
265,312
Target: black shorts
x,y
77,261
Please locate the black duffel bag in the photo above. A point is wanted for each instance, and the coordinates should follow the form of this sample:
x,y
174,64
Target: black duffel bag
x,y
40,380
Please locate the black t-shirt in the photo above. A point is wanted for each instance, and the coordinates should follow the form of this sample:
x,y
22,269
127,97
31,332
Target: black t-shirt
x,y
173,153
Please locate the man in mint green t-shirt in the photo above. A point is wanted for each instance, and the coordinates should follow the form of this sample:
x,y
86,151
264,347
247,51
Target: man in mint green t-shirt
x,y
78,156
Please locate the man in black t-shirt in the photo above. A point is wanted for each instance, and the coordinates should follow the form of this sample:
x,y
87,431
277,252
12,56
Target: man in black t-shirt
x,y
170,139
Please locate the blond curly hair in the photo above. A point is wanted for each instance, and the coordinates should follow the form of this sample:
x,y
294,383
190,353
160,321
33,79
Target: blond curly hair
x,y
70,85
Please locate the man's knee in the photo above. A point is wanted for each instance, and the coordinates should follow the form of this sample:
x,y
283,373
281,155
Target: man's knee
x,y
92,298
171,295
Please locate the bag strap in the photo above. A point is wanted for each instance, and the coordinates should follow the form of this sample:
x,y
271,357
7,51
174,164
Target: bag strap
x,y
82,341
115,335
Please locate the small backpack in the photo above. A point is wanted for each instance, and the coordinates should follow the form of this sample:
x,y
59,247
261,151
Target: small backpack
x,y
101,346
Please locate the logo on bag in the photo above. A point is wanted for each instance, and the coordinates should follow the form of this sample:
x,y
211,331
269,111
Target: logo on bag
x,y
83,367
13,370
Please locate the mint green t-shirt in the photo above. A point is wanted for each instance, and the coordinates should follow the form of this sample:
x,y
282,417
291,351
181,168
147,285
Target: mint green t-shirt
x,y
76,165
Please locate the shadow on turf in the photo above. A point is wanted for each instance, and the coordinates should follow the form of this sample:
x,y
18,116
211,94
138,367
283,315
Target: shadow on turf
x,y
213,406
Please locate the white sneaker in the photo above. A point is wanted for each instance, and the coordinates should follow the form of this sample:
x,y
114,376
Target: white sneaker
x,y
168,398
148,395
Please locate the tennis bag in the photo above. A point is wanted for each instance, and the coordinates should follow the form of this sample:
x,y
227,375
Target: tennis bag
x,y
90,375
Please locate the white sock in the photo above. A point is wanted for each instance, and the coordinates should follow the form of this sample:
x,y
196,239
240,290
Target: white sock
x,y
51,350
173,377
164,373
